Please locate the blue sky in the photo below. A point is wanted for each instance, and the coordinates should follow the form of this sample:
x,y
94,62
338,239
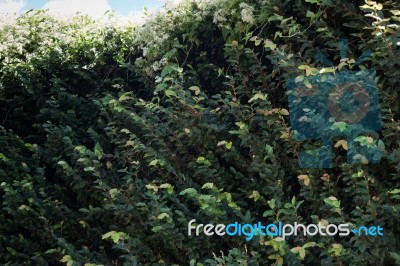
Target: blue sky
x,y
124,7
92,7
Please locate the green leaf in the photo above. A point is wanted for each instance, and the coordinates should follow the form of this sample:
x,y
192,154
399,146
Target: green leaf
x,y
3,157
394,191
169,187
170,93
189,191
269,44
126,131
98,151
303,67
88,169
157,228
228,145
275,17
314,1
208,186
309,244
154,162
302,253
339,125
115,237
258,96
81,149
310,14
307,83
396,256
162,216
68,260
332,201
272,203
269,149
255,195
299,79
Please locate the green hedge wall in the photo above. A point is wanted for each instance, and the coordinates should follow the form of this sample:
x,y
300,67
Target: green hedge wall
x,y
112,138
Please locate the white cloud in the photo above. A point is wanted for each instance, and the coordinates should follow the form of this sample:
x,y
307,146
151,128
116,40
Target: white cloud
x,y
11,6
138,17
94,8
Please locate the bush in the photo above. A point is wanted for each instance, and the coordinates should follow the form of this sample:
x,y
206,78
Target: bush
x,y
113,138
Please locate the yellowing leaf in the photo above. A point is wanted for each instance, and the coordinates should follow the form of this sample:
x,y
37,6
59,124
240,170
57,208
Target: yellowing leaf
x,y
129,143
395,12
83,223
162,216
257,96
342,143
284,135
208,186
124,97
269,44
305,179
279,259
221,143
325,177
369,139
67,259
284,112
228,145
303,67
307,83
196,89
255,195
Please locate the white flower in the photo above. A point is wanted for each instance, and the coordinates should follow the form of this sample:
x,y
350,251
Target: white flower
x,y
156,66
145,50
219,16
158,79
163,61
247,13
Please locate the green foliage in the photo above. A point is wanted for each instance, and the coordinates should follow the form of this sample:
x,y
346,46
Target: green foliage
x,y
113,138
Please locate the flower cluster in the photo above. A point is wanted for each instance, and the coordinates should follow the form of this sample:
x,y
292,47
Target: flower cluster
x,y
247,13
154,38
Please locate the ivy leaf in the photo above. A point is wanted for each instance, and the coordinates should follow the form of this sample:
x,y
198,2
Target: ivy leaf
x,y
208,186
162,216
255,195
332,201
269,44
339,125
305,179
189,191
170,93
342,143
98,151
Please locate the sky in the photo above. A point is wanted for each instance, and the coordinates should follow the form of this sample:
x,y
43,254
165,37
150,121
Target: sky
x,y
95,8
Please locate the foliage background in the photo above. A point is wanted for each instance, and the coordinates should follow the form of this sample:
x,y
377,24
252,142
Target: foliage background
x,y
112,138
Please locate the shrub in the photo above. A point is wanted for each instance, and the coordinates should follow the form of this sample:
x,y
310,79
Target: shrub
x,y
114,138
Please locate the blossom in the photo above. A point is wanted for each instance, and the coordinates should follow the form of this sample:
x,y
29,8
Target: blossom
x,y
219,16
247,13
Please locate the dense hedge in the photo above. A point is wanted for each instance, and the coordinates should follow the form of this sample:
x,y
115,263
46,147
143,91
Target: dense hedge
x,y
112,138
